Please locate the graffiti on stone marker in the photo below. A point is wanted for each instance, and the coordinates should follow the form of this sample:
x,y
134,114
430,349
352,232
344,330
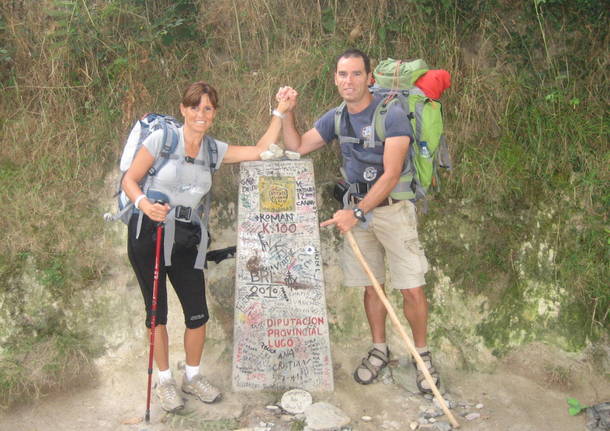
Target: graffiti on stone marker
x,y
281,329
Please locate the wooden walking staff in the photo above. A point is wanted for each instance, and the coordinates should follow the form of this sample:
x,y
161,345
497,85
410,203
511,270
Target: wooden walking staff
x,y
400,329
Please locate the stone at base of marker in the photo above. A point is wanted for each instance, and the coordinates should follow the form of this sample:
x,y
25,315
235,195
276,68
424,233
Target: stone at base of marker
x,y
323,416
296,401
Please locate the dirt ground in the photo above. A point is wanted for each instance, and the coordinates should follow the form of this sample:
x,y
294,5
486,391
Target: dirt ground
x,y
527,391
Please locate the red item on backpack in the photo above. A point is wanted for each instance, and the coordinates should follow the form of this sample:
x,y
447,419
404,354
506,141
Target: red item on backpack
x,y
434,83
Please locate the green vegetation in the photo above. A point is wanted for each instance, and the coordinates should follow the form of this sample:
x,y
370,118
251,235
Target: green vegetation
x,y
298,425
574,407
526,119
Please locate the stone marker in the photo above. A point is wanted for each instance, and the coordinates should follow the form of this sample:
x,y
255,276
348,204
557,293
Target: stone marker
x,y
280,324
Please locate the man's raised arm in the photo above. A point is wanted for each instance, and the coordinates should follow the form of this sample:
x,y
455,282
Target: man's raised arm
x,y
293,141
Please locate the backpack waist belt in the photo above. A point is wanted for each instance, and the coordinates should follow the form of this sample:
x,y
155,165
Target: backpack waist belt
x,y
182,214
384,203
176,214
357,192
360,188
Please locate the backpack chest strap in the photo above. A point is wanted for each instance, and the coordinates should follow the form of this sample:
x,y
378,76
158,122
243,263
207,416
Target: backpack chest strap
x,y
342,117
350,140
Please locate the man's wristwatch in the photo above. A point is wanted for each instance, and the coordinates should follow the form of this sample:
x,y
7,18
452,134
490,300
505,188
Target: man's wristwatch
x,y
359,214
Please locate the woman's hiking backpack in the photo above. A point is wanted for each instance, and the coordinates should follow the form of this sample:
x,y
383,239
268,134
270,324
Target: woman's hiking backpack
x,y
404,82
139,132
148,124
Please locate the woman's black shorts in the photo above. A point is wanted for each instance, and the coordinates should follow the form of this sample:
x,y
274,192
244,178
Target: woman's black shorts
x,y
188,282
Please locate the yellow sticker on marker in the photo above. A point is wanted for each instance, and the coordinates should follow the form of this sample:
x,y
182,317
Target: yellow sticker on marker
x,y
277,194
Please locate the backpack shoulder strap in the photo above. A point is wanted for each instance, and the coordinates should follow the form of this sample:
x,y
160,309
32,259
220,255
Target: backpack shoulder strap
x,y
170,143
384,106
341,115
418,113
338,115
204,206
212,153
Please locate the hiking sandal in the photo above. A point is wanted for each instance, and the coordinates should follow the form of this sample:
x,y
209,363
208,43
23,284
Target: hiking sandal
x,y
373,369
420,378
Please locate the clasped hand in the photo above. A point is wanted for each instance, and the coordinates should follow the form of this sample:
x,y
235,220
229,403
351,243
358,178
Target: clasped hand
x,y
287,95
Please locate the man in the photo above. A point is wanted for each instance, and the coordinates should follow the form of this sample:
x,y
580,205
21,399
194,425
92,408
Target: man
x,y
382,226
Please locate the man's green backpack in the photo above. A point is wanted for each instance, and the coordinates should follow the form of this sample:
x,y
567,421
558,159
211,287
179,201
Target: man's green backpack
x,y
395,80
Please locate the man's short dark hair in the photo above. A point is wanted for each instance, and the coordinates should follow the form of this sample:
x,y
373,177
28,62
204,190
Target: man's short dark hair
x,y
355,53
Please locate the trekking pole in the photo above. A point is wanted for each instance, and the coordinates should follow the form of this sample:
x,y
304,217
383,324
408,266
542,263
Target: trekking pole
x,y
153,319
400,329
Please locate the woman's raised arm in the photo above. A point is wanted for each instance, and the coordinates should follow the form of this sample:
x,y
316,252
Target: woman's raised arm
x,y
244,153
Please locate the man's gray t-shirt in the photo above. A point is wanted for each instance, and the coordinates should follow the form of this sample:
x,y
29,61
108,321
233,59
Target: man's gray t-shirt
x,y
184,183
396,122
360,163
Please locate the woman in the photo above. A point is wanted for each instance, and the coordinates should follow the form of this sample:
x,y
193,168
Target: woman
x,y
181,182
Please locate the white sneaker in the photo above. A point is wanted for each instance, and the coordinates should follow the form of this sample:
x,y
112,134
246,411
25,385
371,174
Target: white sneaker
x,y
201,388
168,395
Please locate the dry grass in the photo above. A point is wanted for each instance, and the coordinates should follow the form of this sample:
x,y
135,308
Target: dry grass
x,y
78,74
48,366
558,377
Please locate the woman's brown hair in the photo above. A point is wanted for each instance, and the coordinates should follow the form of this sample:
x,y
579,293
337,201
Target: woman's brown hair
x,y
192,95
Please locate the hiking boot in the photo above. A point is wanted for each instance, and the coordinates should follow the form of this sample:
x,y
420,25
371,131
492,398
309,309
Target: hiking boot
x,y
201,388
168,395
